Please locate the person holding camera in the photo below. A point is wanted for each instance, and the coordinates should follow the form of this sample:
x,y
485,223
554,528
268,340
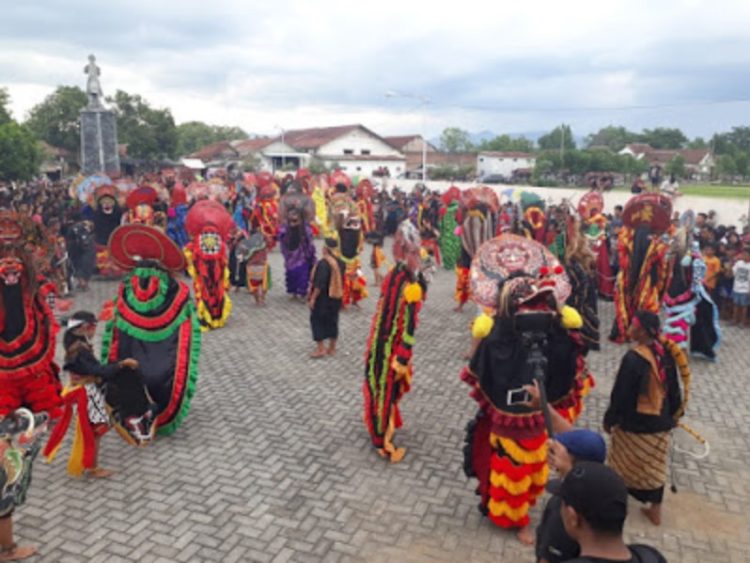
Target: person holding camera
x,y
532,336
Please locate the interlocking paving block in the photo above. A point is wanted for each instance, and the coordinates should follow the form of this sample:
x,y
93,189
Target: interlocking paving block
x,y
273,462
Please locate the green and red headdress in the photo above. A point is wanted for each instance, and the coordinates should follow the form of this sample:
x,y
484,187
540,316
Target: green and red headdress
x,y
153,320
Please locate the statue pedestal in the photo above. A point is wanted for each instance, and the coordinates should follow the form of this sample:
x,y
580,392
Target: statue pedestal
x,y
99,149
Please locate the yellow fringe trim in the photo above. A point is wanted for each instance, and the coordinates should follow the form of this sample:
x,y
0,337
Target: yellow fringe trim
x,y
502,508
540,477
516,452
516,488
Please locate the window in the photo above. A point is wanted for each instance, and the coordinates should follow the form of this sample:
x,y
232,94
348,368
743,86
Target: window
x,y
359,168
365,151
398,169
515,160
481,159
348,151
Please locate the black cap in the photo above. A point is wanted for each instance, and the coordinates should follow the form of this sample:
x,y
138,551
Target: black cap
x,y
649,321
597,494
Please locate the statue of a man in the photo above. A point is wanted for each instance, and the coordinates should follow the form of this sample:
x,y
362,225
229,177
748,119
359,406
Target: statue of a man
x,y
93,87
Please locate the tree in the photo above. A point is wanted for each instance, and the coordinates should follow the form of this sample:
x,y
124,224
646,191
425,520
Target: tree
x,y
742,161
252,163
554,139
4,109
726,166
149,133
698,143
20,155
613,137
630,166
664,138
676,166
193,135
507,143
454,139
740,138
56,119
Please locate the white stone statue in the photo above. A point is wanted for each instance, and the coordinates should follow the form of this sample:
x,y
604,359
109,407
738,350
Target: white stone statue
x,y
93,87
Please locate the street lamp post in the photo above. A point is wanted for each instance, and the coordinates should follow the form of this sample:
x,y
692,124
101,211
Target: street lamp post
x,y
423,101
283,146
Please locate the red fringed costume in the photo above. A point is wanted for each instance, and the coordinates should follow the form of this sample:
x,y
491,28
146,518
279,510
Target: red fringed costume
x,y
645,268
28,374
506,442
388,367
266,211
590,208
209,225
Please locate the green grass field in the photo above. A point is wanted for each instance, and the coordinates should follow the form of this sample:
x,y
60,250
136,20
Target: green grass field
x,y
708,190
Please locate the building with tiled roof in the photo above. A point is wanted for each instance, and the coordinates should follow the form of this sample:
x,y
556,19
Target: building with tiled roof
x,y
698,162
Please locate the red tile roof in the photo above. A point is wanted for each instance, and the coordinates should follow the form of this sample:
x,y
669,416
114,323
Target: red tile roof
x,y
693,157
215,150
639,148
400,141
316,137
248,146
310,139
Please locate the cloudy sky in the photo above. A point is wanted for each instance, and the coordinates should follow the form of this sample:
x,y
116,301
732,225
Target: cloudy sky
x,y
501,66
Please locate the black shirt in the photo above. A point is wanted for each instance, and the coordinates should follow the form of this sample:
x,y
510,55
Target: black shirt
x,y
632,379
322,281
639,554
552,541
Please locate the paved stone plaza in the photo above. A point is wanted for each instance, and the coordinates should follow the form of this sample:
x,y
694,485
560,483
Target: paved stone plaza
x,y
274,463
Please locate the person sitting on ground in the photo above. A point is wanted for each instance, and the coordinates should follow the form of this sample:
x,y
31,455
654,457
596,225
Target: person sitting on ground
x,y
594,505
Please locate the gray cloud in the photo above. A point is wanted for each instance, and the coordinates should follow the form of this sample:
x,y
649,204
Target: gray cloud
x,y
227,60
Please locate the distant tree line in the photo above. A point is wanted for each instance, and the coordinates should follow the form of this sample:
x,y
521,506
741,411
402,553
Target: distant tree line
x,y
557,153
149,133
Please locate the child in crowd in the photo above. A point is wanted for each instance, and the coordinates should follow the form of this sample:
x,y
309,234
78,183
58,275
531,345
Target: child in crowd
x,y
741,287
258,273
378,259
713,269
86,370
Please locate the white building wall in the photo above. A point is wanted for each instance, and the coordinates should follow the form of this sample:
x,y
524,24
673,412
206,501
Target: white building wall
x,y
368,167
504,165
357,140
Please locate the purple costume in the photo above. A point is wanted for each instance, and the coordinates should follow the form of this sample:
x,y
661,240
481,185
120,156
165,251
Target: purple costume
x,y
299,256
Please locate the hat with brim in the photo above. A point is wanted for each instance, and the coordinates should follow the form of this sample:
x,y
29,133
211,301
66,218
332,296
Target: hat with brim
x,y
651,210
131,244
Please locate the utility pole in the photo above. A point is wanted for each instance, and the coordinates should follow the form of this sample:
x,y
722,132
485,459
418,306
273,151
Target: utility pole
x,y
562,147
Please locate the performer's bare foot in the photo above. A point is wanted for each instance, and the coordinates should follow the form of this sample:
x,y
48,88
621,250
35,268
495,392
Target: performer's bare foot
x,y
99,473
331,351
397,455
17,552
525,535
319,353
653,513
